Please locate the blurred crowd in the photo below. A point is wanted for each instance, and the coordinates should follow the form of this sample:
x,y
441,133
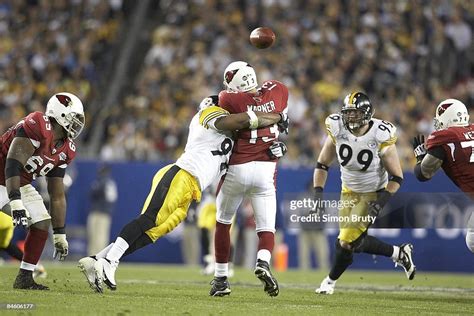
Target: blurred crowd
x,y
52,46
406,55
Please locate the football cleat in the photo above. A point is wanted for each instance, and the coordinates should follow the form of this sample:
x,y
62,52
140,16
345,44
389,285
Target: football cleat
x,y
220,287
326,287
24,281
263,273
105,273
86,265
405,260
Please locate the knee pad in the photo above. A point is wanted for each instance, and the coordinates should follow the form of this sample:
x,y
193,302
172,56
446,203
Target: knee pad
x,y
343,254
470,240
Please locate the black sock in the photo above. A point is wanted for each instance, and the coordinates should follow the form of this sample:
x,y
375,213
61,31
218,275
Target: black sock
x,y
141,242
342,261
14,251
133,230
375,246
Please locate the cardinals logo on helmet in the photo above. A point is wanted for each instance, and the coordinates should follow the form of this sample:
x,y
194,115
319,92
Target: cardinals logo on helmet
x,y
230,75
64,99
443,108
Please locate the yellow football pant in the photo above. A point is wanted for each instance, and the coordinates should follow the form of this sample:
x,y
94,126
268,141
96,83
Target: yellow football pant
x,y
350,227
6,230
172,191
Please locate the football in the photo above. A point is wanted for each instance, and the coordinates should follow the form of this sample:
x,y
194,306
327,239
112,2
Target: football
x,y
262,37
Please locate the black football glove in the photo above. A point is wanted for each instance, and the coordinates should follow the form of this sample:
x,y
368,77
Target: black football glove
x,y
374,207
277,150
318,199
284,123
419,148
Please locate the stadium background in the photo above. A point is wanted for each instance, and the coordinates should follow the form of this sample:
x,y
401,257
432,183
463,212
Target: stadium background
x,y
142,67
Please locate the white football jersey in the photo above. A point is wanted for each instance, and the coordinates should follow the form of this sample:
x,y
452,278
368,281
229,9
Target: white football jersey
x,y
362,170
207,149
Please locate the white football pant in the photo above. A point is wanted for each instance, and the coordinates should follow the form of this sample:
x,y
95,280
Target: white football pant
x,y
254,180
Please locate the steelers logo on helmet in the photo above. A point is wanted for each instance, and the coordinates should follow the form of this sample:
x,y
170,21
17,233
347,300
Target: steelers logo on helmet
x,y
356,110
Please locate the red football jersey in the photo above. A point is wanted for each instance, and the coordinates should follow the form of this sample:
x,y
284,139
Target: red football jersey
x,y
252,145
458,146
46,157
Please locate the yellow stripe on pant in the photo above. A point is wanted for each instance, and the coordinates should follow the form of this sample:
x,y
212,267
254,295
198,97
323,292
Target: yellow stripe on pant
x,y
349,229
6,230
182,189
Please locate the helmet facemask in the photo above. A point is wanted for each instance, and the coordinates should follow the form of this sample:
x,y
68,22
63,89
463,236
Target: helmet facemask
x,y
76,124
356,111
354,119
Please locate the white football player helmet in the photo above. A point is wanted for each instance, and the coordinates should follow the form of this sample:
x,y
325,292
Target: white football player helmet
x,y
451,112
68,111
239,76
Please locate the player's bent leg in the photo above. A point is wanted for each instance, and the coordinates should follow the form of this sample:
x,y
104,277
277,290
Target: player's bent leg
x,y
228,200
343,259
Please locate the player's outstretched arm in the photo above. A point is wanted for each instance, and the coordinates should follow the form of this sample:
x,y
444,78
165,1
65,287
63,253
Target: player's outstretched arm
x,y
391,162
58,216
428,167
248,119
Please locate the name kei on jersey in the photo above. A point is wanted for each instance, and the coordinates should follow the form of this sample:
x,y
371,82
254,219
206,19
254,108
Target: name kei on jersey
x,y
457,143
362,170
207,149
252,145
46,157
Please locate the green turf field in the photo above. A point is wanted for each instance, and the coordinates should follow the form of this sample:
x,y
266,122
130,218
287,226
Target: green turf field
x,y
165,290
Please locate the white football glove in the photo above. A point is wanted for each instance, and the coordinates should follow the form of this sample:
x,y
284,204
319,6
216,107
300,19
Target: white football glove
x,y
61,247
20,215
277,150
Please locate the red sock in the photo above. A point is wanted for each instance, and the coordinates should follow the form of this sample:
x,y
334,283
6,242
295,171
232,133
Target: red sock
x,y
34,245
222,243
266,240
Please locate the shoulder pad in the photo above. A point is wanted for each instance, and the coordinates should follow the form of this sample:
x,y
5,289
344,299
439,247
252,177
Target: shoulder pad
x,y
333,125
385,133
438,138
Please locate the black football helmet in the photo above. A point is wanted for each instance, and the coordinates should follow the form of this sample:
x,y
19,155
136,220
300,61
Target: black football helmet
x,y
356,111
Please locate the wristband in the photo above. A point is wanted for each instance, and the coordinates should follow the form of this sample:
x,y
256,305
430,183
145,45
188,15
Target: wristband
x,y
253,119
59,230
